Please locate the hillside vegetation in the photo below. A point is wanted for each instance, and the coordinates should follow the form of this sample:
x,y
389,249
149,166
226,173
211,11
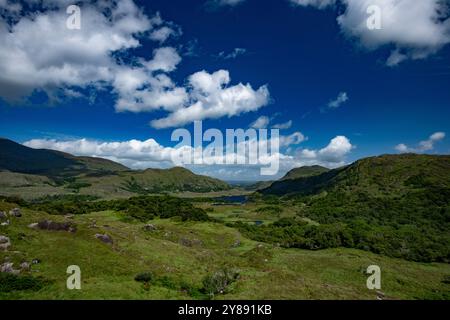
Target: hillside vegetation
x,y
152,256
397,205
32,173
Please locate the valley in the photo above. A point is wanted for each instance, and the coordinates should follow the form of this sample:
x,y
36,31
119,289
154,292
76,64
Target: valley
x,y
172,234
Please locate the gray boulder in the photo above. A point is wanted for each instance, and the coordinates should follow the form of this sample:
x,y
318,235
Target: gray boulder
x,y
7,267
5,243
104,238
3,215
150,227
15,213
55,226
25,266
6,223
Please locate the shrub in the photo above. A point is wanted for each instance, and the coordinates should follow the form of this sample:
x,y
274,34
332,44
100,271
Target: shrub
x,y
218,281
144,277
10,282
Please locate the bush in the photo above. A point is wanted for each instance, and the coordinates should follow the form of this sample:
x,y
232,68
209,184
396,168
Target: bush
x,y
218,281
10,282
144,277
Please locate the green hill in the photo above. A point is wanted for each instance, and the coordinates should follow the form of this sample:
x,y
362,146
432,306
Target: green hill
x,y
15,157
397,205
33,173
306,171
387,174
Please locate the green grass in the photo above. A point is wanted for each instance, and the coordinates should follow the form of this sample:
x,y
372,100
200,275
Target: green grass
x,y
266,271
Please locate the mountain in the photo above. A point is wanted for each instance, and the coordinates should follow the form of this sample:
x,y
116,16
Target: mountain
x,y
39,172
306,171
377,175
395,205
15,157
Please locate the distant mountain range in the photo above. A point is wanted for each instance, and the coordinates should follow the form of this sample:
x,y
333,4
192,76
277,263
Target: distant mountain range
x,y
15,157
24,169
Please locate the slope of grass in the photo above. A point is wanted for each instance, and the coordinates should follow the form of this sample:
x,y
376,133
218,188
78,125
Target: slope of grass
x,y
181,254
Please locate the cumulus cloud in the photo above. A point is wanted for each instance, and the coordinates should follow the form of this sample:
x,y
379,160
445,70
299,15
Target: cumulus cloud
x,y
332,153
139,154
40,54
340,99
423,146
164,33
413,29
212,98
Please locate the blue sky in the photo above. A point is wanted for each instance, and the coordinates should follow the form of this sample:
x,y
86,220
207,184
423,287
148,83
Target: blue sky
x,y
396,82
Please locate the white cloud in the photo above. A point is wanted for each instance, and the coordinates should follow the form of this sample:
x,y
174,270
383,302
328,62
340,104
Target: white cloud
x,y
314,3
212,98
264,121
163,33
233,54
292,139
260,123
423,146
413,29
340,99
332,155
164,59
10,6
139,154
284,125
40,54
230,3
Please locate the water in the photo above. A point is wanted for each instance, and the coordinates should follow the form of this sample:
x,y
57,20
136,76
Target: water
x,y
233,199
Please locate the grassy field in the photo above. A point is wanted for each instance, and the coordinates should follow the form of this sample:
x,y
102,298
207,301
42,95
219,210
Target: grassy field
x,y
180,254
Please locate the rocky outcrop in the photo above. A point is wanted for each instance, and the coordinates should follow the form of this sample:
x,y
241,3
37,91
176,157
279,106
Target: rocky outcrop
x,y
16,212
104,238
150,227
8,267
5,243
54,226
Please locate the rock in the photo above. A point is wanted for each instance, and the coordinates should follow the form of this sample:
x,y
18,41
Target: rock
x,y
380,295
189,243
55,226
237,243
15,213
3,215
150,227
25,266
104,238
5,243
35,261
33,225
186,242
6,223
7,267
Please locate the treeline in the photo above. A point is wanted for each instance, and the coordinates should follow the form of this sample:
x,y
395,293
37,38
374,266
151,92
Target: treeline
x,y
414,226
142,208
